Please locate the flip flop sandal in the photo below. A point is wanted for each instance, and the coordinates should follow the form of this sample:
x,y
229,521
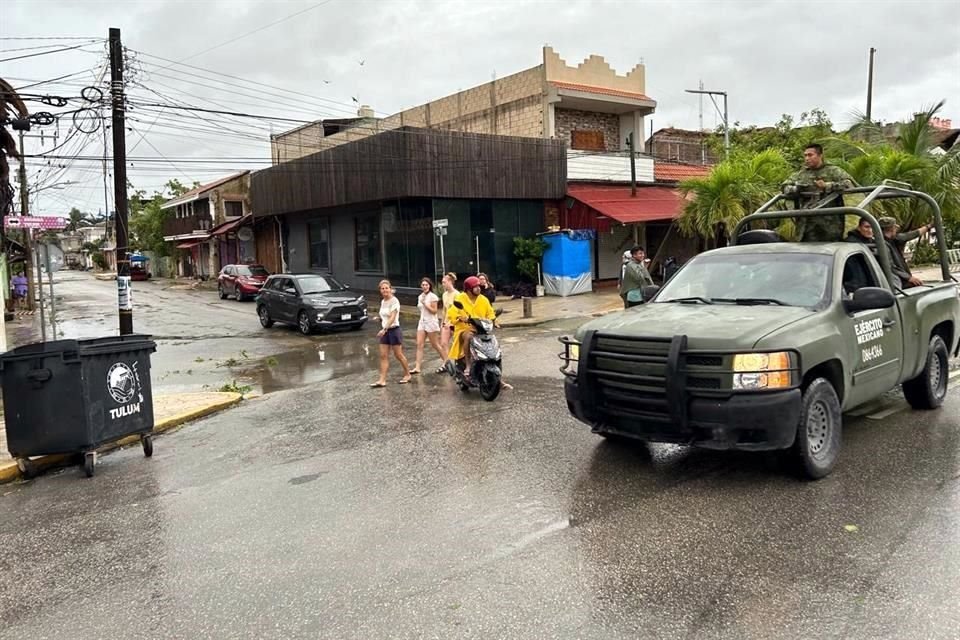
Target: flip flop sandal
x,y
407,381
377,385
441,369
415,372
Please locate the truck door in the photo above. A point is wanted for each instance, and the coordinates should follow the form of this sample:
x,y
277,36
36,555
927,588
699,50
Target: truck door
x,y
875,337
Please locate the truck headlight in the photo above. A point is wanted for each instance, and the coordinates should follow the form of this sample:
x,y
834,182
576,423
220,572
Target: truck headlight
x,y
754,371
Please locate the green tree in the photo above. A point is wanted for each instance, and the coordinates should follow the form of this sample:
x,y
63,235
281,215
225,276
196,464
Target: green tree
x,y
912,158
76,218
734,188
147,218
529,252
789,136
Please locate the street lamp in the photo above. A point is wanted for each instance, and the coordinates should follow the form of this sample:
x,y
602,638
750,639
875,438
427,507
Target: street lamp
x,y
726,123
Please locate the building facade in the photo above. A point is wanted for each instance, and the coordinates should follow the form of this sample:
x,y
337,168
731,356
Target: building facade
x,y
203,224
365,211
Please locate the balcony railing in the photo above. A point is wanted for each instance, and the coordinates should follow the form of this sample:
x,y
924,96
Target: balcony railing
x,y
185,226
612,166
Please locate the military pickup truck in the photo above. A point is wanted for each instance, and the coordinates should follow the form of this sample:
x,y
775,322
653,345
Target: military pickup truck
x,y
764,344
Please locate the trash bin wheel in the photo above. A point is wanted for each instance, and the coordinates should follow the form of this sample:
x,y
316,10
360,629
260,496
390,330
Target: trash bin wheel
x,y
27,469
147,442
89,460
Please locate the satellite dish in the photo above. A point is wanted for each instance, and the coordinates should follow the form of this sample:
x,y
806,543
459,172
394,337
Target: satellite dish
x,y
245,234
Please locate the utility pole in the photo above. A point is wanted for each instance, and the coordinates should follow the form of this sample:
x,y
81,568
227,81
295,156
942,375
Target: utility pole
x,y
703,145
870,87
726,121
124,299
27,240
633,167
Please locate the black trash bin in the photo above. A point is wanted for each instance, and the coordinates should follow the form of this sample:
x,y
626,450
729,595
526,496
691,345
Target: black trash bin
x,y
72,396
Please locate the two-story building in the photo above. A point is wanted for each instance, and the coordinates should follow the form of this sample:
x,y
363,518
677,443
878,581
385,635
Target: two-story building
x,y
204,224
589,108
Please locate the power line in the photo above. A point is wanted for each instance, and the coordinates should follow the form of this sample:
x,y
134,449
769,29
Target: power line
x,y
226,113
44,53
253,82
263,28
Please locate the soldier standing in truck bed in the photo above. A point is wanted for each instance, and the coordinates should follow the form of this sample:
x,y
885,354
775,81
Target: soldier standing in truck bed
x,y
813,183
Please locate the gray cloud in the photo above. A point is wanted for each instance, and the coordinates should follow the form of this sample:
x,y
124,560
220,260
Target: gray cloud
x,y
772,57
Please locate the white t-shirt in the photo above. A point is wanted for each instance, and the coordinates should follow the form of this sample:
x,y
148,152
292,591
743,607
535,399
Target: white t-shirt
x,y
423,303
387,307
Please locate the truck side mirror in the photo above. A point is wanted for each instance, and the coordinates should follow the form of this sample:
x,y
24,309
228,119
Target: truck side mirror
x,y
649,292
867,298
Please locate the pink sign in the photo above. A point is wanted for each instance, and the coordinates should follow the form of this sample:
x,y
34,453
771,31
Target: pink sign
x,y
34,222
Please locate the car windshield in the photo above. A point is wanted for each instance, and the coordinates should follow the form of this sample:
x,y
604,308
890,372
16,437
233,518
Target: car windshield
x,y
319,284
252,271
791,279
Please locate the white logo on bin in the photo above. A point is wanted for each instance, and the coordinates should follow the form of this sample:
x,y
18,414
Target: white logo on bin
x,y
121,383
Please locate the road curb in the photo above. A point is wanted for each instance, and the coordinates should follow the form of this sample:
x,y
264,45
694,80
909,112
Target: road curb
x,y
9,471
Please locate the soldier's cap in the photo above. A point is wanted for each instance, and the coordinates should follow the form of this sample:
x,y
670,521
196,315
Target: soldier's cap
x,y
886,222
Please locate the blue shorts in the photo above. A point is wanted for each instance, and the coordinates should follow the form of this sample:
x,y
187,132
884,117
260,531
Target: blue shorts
x,y
392,337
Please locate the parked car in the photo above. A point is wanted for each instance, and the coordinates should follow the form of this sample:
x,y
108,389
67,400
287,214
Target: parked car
x,y
310,302
242,281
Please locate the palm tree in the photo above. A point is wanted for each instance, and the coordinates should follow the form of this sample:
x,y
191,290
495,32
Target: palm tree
x,y
735,188
913,158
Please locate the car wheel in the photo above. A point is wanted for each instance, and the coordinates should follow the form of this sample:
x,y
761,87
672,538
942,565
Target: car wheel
x,y
303,323
928,390
238,293
221,292
817,446
264,316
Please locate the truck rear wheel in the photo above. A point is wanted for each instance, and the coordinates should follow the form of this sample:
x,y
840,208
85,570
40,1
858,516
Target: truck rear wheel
x,y
928,389
817,446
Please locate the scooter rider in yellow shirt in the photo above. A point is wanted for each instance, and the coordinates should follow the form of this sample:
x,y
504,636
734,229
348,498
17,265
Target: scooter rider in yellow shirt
x,y
474,306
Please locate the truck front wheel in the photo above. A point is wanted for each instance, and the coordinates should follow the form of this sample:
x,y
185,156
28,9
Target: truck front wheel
x,y
928,389
817,446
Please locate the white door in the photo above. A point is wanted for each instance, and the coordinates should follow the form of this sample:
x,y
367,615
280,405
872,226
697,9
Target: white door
x,y
610,248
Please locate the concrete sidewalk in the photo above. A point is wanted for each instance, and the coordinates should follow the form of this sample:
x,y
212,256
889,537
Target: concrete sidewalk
x,y
170,411
545,309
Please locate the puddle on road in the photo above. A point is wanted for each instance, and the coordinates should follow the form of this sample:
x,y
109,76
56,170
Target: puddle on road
x,y
313,363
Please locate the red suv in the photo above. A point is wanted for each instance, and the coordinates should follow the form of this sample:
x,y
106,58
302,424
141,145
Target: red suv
x,y
241,280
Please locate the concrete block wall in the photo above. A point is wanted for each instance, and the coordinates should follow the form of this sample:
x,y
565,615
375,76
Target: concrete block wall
x,y
568,120
297,143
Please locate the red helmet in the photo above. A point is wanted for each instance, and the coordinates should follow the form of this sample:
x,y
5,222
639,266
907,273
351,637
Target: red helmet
x,y
470,283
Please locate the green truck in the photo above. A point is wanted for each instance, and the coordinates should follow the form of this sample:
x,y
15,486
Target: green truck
x,y
763,344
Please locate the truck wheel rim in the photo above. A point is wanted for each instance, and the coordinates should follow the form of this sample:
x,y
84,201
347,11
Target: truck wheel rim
x,y
936,376
304,323
818,428
264,316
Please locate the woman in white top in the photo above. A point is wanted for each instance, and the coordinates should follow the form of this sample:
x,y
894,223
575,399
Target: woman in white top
x,y
450,294
429,326
390,337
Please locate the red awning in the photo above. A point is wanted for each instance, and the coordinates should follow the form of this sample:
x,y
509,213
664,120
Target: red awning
x,y
650,204
226,227
189,244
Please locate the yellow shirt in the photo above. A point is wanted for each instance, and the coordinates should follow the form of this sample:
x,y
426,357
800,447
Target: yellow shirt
x,y
479,309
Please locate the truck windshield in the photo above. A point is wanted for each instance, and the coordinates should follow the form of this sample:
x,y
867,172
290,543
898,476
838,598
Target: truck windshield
x,y
792,279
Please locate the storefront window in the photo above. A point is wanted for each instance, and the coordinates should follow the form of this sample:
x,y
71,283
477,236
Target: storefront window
x,y
368,250
408,241
319,233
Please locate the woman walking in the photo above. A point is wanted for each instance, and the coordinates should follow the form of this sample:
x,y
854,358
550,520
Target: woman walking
x,y
450,293
487,290
391,340
429,326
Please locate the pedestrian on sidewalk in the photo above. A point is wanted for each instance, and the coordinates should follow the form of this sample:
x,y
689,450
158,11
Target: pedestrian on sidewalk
x,y
487,289
635,278
18,284
391,339
429,325
450,293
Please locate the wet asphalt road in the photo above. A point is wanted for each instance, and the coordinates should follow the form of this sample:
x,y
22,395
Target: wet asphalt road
x,y
337,511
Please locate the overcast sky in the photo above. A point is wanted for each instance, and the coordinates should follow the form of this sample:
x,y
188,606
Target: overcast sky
x,y
771,57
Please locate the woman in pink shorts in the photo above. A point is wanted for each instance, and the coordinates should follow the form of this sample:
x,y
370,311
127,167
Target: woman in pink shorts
x,y
429,325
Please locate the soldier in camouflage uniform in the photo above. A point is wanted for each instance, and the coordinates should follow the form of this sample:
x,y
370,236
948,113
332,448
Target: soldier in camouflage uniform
x,y
815,181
